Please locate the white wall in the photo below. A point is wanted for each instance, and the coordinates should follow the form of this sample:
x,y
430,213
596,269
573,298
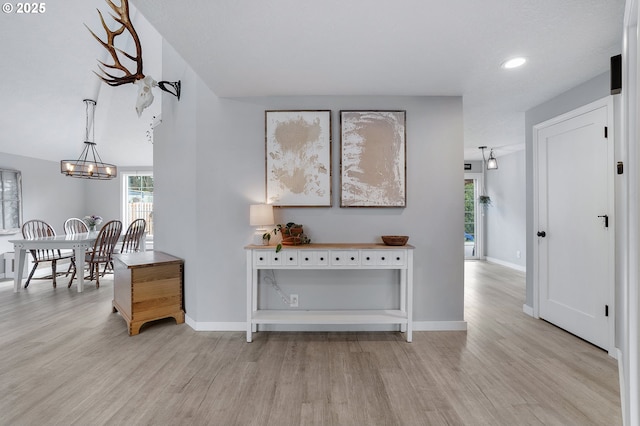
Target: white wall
x,y
209,167
506,218
46,193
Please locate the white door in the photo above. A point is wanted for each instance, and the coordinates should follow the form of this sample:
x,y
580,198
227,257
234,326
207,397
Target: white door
x,y
574,223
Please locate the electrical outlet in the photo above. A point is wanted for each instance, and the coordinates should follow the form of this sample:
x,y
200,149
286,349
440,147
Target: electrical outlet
x,y
518,254
293,301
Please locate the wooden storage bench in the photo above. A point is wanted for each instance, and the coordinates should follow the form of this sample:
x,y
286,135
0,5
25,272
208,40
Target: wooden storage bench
x,y
148,286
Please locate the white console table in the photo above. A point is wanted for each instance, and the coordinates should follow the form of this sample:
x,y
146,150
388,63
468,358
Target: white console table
x,y
331,256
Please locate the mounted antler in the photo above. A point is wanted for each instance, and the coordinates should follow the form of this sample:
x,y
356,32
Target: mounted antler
x,y
145,83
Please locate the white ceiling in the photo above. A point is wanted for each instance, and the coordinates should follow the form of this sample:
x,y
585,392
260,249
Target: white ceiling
x,y
303,47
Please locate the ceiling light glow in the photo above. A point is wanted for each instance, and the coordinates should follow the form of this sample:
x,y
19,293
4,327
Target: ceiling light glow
x,y
514,63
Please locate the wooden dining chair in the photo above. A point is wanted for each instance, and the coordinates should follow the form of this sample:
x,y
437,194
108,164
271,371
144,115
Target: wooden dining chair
x,y
131,240
133,236
73,226
102,251
37,229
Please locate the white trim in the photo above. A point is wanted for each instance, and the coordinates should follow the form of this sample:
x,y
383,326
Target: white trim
x,y
623,387
242,326
214,325
507,264
527,310
439,326
630,228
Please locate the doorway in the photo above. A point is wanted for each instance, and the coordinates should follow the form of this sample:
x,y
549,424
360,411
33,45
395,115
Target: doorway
x,y
472,217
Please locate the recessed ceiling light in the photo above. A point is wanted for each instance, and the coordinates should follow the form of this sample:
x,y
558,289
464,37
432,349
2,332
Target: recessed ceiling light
x,y
514,63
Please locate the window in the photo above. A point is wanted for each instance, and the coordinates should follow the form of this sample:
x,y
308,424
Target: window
x,y
138,199
11,201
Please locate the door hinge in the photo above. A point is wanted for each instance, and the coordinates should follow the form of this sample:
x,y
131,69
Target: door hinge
x,y
606,132
606,310
620,167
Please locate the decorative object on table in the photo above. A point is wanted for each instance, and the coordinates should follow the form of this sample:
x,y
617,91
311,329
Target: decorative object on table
x,y
292,235
373,158
92,221
298,158
395,240
261,216
144,83
89,165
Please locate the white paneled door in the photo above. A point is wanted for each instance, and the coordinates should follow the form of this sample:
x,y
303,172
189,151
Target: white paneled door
x,y
575,223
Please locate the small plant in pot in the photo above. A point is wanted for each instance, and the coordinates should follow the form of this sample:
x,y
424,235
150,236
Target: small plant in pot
x,y
485,200
292,235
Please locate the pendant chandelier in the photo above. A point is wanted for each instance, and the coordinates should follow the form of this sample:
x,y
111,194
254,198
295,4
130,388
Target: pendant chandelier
x,y
89,165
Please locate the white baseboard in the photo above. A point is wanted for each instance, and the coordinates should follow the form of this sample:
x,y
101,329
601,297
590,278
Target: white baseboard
x,y
507,264
215,326
439,326
241,326
527,309
623,387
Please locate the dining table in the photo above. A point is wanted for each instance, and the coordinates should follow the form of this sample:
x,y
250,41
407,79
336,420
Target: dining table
x,y
79,243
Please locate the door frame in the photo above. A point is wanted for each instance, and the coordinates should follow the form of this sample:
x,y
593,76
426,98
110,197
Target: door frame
x,y
604,102
629,362
479,215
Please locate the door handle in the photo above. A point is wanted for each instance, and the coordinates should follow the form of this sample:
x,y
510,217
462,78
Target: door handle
x,y
606,220
542,234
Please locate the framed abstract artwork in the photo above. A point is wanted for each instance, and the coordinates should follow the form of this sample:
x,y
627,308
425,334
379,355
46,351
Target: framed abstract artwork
x,y
373,159
298,158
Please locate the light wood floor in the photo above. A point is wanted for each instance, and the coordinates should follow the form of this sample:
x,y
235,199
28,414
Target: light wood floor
x,y
66,359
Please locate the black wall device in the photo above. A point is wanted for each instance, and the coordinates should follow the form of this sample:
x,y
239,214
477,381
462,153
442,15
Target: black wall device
x,y
616,74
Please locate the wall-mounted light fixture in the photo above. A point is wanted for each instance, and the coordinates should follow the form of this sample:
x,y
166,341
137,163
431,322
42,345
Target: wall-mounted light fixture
x,y
89,165
492,163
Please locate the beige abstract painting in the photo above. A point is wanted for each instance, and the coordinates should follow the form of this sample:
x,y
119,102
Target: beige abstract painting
x,y
298,158
373,158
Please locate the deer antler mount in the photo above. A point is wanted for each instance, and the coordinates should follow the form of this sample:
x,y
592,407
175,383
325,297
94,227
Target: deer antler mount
x,y
118,56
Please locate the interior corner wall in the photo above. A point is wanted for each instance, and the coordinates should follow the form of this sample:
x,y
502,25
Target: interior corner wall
x,y
175,185
209,166
505,232
592,90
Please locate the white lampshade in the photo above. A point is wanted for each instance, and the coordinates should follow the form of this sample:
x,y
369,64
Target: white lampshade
x,y
261,215
492,163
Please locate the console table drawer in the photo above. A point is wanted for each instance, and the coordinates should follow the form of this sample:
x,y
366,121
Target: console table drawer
x,y
383,258
345,257
271,258
314,258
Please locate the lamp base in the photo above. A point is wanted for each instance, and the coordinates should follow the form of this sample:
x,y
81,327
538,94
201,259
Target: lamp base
x,y
257,238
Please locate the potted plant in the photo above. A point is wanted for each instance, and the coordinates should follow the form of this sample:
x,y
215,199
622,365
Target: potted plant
x,y
292,234
485,200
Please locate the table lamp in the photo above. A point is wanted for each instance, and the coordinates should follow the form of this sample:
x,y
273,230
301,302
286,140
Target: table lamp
x,y
260,215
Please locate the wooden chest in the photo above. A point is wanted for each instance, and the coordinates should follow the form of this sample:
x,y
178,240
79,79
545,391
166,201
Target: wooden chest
x,y
148,286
